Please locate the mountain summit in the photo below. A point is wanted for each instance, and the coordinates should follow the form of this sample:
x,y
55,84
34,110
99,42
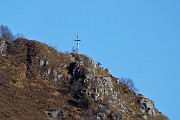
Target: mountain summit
x,y
39,83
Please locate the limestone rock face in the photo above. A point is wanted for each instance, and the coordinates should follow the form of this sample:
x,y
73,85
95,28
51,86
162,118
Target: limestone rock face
x,y
56,114
101,116
40,83
3,48
147,106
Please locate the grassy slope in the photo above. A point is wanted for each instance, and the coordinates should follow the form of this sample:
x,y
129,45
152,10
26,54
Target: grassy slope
x,y
27,94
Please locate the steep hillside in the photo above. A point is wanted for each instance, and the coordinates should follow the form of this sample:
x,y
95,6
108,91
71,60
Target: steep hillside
x,y
39,83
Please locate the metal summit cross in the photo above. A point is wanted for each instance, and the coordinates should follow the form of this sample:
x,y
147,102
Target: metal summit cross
x,y
77,40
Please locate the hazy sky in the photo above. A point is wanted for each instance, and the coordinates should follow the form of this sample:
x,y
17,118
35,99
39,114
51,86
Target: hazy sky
x,y
137,39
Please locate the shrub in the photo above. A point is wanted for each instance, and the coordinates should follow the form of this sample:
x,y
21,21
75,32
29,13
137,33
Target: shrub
x,y
85,103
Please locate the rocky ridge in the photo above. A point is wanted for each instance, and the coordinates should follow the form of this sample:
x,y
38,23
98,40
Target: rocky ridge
x,y
39,82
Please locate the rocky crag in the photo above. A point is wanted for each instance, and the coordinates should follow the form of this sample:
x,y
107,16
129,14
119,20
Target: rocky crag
x,y
39,83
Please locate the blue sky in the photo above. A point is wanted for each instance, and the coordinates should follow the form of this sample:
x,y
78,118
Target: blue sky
x,y
135,39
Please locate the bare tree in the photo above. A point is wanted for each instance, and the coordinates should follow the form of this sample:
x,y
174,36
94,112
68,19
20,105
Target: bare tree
x,y
19,35
6,33
129,83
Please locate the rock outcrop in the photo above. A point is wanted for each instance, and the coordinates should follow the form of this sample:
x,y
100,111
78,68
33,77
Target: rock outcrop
x,y
38,82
